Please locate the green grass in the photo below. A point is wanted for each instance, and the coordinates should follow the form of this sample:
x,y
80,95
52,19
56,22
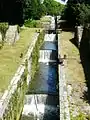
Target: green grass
x,y
10,57
69,49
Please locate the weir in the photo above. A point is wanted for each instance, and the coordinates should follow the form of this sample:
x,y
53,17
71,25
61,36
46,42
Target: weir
x,y
41,100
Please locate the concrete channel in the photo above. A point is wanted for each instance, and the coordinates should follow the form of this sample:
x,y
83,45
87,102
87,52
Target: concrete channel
x,y
47,95
42,98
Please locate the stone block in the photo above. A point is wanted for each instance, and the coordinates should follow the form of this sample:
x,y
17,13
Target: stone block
x,y
12,34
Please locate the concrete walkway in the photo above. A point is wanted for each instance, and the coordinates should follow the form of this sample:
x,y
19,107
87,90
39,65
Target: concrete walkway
x,y
63,100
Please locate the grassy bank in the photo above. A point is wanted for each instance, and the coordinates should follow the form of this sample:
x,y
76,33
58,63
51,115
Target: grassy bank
x,y
10,57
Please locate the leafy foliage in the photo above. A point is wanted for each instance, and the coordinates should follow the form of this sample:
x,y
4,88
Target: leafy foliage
x,y
11,11
77,13
16,11
53,7
84,14
31,9
3,29
32,23
16,102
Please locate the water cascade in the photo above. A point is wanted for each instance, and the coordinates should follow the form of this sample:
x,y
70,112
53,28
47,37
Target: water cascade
x,y
41,100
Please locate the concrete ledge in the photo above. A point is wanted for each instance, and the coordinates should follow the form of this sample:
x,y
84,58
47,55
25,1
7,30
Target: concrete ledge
x,y
63,100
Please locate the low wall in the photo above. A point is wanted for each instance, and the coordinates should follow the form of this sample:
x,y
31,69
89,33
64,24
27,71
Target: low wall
x,y
12,102
63,98
12,34
78,34
82,36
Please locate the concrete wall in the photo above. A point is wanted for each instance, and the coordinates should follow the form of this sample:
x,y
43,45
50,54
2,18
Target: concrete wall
x,y
78,34
63,98
82,35
12,34
12,101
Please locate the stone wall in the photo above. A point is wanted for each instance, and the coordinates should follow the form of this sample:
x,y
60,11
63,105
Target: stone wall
x,y
12,34
63,97
82,35
78,34
12,101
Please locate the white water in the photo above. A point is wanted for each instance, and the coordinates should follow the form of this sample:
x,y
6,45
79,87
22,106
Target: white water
x,y
47,56
32,106
38,109
38,105
48,49
50,37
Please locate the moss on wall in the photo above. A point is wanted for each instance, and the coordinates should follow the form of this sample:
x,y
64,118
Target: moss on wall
x,y
35,54
16,102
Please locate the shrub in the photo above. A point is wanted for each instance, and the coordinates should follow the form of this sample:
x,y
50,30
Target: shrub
x,y
3,29
32,23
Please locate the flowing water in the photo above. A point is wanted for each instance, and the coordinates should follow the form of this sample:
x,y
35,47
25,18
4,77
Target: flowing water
x,y
45,79
48,52
41,100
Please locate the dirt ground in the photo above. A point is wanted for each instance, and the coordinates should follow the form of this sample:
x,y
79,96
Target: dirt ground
x,y
76,81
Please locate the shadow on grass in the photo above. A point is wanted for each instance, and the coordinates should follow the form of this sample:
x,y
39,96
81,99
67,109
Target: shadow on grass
x,y
73,41
85,61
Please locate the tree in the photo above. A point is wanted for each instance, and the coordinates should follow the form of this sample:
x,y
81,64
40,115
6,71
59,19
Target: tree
x,y
11,11
77,13
84,14
53,7
16,11
32,9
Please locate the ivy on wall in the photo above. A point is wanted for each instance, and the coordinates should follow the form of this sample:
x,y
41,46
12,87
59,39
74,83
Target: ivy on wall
x,y
16,102
35,54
